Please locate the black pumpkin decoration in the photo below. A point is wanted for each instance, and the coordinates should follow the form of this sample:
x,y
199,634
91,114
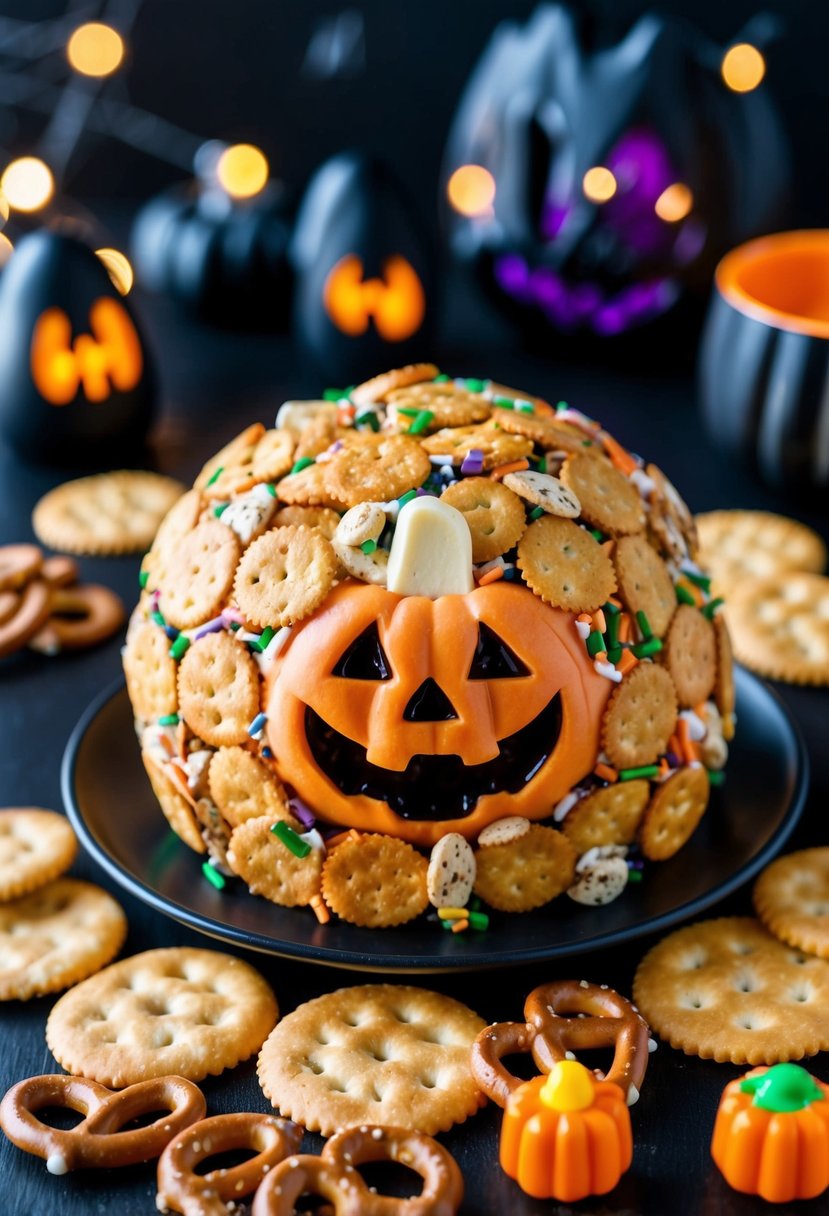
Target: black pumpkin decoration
x,y
76,384
686,168
363,294
225,261
764,358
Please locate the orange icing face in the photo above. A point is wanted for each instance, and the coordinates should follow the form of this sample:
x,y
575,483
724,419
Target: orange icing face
x,y
417,716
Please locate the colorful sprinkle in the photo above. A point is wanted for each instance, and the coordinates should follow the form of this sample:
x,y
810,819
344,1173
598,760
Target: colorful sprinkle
x,y
158,618
595,644
473,462
219,510
505,403
699,580
180,647
605,773
644,770
143,578
422,420
168,720
479,921
645,625
368,418
257,726
320,910
449,913
710,609
715,778
286,834
213,876
460,925
299,810
271,489
597,535
475,386
537,512
302,463
334,394
213,626
368,546
684,596
634,875
216,475
407,497
645,649
441,379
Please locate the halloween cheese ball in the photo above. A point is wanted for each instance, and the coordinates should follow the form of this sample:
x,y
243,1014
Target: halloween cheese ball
x,y
429,641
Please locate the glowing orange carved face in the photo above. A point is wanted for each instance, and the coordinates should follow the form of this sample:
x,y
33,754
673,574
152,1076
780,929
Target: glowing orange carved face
x,y
396,302
108,358
418,716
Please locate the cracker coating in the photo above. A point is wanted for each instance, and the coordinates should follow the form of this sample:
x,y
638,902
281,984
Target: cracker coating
x,y
673,813
608,815
645,583
375,881
194,581
270,868
791,897
107,513
245,787
380,467
780,627
494,514
527,872
218,689
35,847
564,565
284,575
231,469
640,717
690,655
609,501
150,670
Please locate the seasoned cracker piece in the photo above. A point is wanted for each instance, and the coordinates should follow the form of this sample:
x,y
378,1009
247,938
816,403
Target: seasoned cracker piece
x,y
791,897
526,872
495,515
640,717
35,847
176,524
177,1011
496,446
195,581
727,990
273,456
318,436
448,404
56,936
150,670
609,501
231,470
108,513
367,567
376,469
645,583
245,787
673,813
218,689
178,811
690,655
308,488
390,1054
545,491
270,868
724,691
378,387
375,881
780,627
322,518
564,565
543,429
669,519
361,523
284,576
740,545
609,815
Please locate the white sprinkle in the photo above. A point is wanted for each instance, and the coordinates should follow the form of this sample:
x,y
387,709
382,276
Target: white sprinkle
x,y
56,1164
633,1095
652,1045
583,629
377,1132
696,726
608,671
644,484
569,1055
567,803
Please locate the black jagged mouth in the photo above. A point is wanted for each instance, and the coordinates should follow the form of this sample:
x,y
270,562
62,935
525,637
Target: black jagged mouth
x,y
435,788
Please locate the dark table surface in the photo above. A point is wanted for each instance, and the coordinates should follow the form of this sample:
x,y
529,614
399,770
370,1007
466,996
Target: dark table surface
x,y
213,384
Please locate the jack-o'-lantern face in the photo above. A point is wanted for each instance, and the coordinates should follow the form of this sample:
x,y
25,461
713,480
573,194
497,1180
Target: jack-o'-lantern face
x,y
418,716
395,302
108,358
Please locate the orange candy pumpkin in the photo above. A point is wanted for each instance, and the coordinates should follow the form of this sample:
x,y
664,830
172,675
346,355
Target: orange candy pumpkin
x,y
771,1136
566,1135
417,717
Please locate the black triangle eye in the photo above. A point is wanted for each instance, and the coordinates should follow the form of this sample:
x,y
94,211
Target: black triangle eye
x,y
365,658
493,659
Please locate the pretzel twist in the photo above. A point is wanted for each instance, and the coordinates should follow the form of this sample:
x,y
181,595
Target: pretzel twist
x,y
334,1176
565,1016
97,1141
181,1189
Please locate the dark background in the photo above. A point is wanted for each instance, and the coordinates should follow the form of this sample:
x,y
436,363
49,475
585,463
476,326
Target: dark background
x,y
235,71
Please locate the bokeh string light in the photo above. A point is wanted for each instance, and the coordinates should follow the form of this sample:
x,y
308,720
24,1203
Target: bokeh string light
x,y
95,49
743,67
119,269
27,184
598,184
471,190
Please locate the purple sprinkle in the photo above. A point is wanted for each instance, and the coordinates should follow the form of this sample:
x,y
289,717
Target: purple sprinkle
x,y
421,493
473,462
337,446
636,865
213,626
672,759
303,813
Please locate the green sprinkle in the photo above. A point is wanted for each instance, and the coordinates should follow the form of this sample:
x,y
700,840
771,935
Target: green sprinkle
x,y
561,405
715,777
216,475
614,654
542,465
291,840
478,920
475,386
143,578
684,596
699,580
525,407
645,649
407,497
587,443
368,546
271,489
595,643
264,639
158,618
474,904
634,875
710,609
612,632
168,720
220,509
506,403
537,512
213,876
424,417
334,394
368,418
447,924
644,624
235,626
441,379
610,609
597,535
408,411
644,770
179,647
302,463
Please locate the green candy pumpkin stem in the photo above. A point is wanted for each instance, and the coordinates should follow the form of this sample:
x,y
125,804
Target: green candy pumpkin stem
x,y
783,1088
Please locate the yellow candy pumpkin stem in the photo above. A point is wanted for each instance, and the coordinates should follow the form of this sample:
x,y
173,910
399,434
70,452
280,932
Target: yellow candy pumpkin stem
x,y
569,1086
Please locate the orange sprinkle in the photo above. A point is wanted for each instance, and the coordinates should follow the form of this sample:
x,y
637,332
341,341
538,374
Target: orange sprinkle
x,y
341,838
600,656
345,415
627,662
320,910
181,739
515,466
688,749
664,769
167,744
460,925
598,621
585,618
618,455
728,727
611,599
692,590
491,576
675,746
700,710
605,773
624,628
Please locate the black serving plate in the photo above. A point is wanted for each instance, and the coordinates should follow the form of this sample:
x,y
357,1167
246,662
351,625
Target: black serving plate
x,y
113,810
